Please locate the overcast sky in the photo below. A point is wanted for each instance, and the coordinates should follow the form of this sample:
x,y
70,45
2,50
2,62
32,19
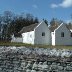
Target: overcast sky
x,y
61,9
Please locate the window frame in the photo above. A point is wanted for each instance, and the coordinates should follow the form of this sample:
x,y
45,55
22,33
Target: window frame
x,y
43,33
62,34
71,34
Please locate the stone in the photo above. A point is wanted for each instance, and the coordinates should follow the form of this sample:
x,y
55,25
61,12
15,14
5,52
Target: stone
x,y
40,65
0,69
68,68
35,66
28,70
29,65
33,70
45,66
53,67
60,68
49,63
24,64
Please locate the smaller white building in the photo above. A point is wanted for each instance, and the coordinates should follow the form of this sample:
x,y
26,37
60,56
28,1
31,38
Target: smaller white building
x,y
38,33
16,38
61,35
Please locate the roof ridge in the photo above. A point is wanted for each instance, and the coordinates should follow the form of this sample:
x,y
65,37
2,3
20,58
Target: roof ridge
x,y
28,28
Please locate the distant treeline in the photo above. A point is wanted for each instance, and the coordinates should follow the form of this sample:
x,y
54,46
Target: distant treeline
x,y
11,23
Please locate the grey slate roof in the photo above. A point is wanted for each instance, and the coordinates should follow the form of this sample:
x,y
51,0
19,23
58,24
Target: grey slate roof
x,y
52,28
28,28
69,26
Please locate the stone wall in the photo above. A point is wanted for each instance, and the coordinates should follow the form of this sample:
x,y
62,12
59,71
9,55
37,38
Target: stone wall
x,y
15,60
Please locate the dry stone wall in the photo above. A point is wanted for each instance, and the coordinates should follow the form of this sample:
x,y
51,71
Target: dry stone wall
x,y
22,59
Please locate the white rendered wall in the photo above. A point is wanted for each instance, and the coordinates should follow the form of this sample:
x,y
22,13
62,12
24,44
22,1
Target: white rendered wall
x,y
28,37
39,39
16,39
71,30
53,38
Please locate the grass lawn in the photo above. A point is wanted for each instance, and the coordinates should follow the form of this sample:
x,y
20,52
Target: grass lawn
x,y
30,45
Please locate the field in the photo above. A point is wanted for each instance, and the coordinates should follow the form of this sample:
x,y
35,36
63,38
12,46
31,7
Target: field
x,y
30,45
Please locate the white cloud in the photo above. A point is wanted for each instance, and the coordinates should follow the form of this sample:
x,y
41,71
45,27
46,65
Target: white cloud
x,y
34,6
54,5
64,4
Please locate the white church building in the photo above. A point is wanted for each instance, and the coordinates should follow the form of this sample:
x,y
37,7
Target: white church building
x,y
40,33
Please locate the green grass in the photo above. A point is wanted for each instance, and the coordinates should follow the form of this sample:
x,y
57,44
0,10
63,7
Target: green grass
x,y
13,44
30,45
